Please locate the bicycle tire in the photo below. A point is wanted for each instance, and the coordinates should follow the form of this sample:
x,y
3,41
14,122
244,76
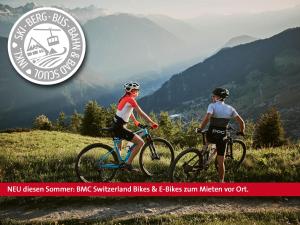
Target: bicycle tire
x,y
238,155
156,167
95,173
180,171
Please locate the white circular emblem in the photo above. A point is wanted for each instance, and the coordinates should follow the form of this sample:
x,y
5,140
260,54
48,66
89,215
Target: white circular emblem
x,y
46,46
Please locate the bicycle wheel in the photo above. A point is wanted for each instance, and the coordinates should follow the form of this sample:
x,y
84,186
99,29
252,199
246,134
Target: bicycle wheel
x,y
95,163
186,167
156,157
235,154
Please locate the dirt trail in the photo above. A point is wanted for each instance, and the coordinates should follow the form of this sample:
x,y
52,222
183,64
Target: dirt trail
x,y
123,209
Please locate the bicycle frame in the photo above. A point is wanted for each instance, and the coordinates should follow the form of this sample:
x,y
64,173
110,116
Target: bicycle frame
x,y
117,141
228,150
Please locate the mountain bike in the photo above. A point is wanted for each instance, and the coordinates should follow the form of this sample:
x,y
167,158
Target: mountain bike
x,y
193,164
100,162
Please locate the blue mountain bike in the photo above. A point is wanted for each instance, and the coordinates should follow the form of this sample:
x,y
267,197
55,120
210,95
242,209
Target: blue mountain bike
x,y
100,162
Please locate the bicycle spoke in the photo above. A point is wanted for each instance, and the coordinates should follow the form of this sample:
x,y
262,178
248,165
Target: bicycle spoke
x,y
156,157
96,163
186,166
234,158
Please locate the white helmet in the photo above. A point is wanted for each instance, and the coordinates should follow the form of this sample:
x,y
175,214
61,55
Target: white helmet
x,y
129,86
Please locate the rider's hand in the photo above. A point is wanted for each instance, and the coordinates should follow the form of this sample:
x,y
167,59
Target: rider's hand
x,y
154,125
137,123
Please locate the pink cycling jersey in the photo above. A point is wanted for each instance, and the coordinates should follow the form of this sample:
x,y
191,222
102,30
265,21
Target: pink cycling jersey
x,y
125,107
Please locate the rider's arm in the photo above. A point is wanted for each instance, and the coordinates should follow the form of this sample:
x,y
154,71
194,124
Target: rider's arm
x,y
144,115
241,123
136,123
205,121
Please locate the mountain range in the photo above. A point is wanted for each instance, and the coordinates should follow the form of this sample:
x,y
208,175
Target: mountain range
x,y
259,75
119,47
21,101
122,47
239,40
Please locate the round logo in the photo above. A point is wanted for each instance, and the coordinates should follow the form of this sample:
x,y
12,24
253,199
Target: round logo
x,y
46,46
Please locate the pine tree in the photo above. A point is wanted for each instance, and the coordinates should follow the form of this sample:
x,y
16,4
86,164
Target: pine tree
x,y
60,122
166,125
269,131
76,120
109,114
93,120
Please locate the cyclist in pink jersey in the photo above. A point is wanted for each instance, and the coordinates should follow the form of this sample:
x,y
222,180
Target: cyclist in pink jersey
x,y
125,111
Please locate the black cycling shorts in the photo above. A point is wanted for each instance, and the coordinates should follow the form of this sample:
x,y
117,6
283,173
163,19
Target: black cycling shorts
x,y
120,131
216,135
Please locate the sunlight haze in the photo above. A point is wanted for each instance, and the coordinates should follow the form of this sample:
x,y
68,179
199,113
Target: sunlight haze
x,y
173,8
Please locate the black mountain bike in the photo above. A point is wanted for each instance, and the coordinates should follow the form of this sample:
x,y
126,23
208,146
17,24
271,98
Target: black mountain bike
x,y
193,164
100,162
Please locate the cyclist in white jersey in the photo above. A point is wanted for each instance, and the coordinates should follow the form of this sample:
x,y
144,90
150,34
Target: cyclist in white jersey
x,y
218,116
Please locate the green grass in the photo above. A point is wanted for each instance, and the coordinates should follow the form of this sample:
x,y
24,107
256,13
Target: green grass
x,y
40,155
247,218
50,157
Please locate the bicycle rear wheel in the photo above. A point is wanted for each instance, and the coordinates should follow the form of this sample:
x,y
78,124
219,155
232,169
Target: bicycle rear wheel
x,y
156,157
186,166
96,163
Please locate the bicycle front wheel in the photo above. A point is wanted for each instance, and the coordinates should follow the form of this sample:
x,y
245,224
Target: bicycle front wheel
x,y
96,163
156,157
186,167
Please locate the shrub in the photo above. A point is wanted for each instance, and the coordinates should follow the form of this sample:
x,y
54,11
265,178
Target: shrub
x,y
60,124
15,130
42,122
76,120
269,131
187,136
94,119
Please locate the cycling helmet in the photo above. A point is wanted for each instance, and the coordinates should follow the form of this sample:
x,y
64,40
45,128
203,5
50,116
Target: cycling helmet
x,y
221,92
129,86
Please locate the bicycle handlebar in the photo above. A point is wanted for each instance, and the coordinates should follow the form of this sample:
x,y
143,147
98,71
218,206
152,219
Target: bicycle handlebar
x,y
199,131
143,126
146,126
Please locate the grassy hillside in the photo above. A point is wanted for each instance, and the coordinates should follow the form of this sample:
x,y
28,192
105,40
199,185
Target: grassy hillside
x,y
50,156
46,156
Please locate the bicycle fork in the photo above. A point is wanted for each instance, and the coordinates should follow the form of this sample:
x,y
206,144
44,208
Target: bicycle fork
x,y
154,155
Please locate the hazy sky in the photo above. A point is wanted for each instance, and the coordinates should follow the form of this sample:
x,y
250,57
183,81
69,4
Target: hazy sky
x,y
173,8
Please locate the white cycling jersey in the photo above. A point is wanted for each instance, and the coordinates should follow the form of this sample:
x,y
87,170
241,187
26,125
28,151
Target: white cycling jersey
x,y
221,113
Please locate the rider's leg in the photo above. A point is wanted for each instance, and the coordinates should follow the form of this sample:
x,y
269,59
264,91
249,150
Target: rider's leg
x,y
139,142
221,167
221,146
